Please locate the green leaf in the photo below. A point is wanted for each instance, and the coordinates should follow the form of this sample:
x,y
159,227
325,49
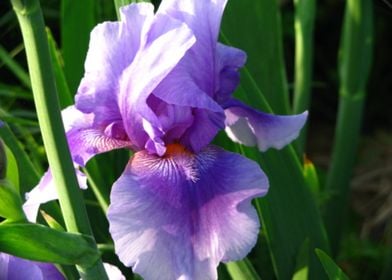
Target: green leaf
x,y
12,173
14,92
65,96
289,207
52,223
302,265
331,268
15,68
30,175
10,202
263,45
3,160
77,21
242,270
40,243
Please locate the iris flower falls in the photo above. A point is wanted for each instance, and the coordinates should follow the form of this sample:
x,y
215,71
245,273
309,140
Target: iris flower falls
x,y
161,85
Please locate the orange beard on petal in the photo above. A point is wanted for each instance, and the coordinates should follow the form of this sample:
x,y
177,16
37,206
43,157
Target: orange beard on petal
x,y
175,149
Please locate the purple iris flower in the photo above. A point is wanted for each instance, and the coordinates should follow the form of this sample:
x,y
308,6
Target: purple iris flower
x,y
161,85
14,268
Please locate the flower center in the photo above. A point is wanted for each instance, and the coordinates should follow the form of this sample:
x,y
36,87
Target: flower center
x,y
175,149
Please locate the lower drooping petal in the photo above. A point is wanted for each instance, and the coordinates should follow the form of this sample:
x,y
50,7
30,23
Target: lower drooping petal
x,y
44,192
178,216
253,128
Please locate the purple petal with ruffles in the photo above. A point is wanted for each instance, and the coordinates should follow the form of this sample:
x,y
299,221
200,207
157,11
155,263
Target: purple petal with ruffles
x,y
112,48
168,40
44,192
203,18
249,127
229,61
14,268
178,216
204,128
85,140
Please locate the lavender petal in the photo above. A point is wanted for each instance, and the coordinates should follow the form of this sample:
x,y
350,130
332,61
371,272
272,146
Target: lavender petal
x,y
249,127
178,216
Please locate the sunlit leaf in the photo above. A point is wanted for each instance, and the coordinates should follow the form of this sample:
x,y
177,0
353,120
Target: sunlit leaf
x,y
10,202
331,268
40,243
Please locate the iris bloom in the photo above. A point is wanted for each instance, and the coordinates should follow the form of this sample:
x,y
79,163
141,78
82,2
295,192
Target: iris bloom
x,y
161,85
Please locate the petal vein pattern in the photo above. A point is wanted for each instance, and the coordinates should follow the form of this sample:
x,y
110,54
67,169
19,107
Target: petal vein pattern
x,y
184,213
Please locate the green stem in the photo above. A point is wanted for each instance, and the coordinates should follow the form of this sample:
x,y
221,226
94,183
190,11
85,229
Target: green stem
x,y
102,200
304,23
355,61
45,96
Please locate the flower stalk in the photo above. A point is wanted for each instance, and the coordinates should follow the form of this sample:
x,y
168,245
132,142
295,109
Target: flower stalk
x,y
304,25
30,18
355,61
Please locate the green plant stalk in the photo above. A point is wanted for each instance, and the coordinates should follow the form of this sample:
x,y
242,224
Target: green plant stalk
x,y
354,65
45,96
102,200
303,25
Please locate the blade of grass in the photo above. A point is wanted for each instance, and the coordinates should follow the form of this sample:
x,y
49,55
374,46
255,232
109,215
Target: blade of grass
x,y
331,268
354,66
264,49
304,23
14,92
15,68
102,199
31,22
242,270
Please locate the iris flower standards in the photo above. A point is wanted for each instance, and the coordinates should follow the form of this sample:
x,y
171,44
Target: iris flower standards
x,y
161,85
